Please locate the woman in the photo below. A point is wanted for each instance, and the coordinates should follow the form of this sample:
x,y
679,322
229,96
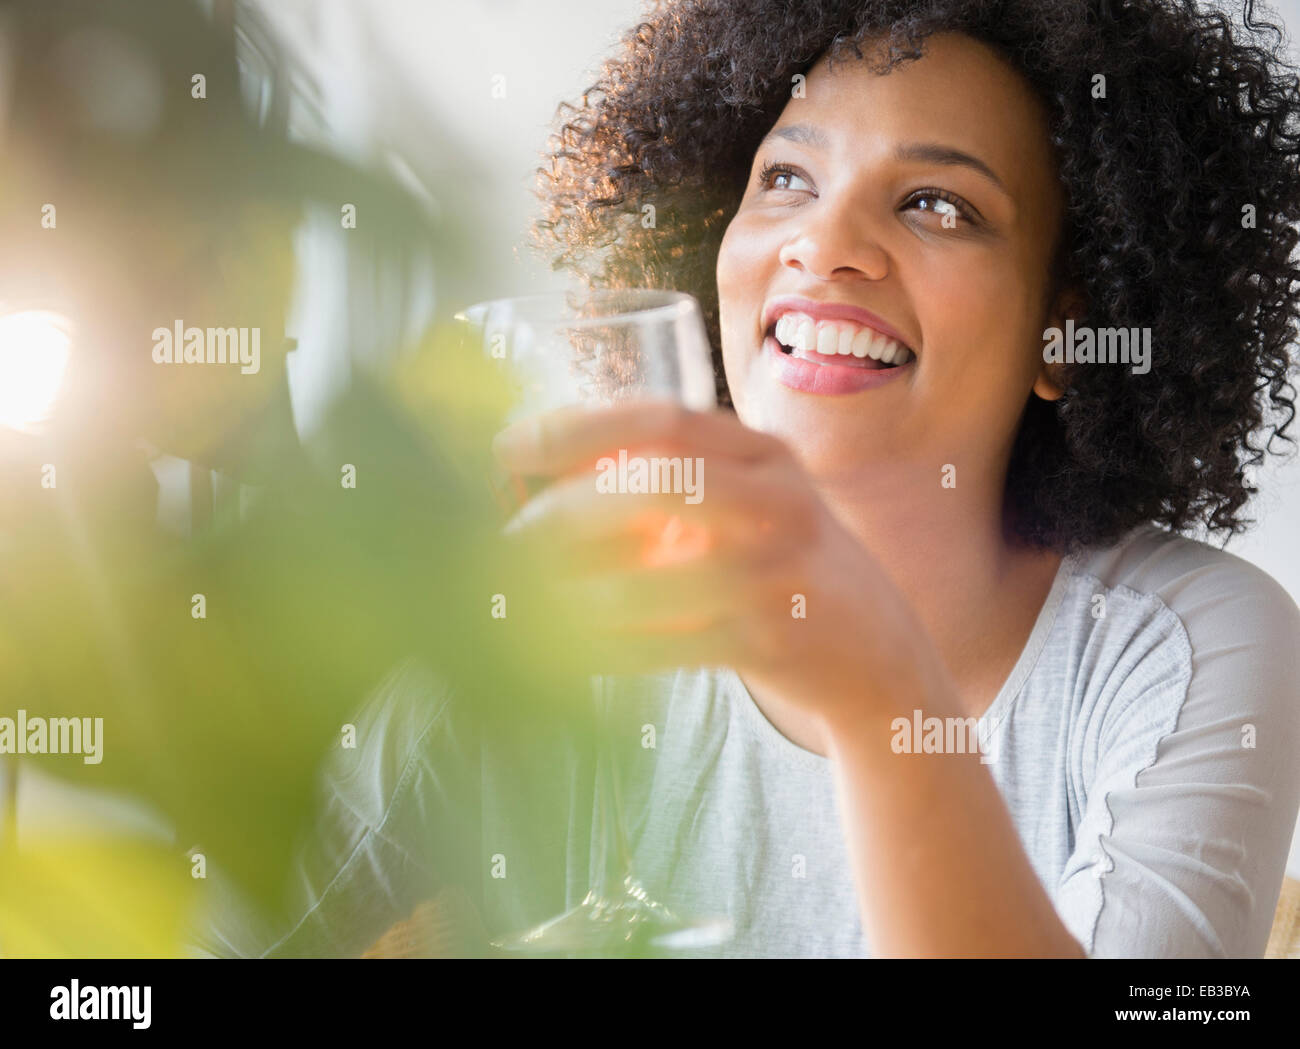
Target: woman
x,y
919,510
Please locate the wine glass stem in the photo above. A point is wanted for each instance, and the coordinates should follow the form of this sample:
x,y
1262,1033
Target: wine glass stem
x,y
615,856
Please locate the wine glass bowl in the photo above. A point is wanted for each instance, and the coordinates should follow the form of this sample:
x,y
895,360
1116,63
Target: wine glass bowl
x,y
597,348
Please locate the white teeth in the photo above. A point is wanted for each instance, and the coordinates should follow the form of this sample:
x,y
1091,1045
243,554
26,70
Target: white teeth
x,y
803,334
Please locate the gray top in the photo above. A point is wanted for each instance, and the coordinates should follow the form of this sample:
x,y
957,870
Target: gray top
x,y
1145,744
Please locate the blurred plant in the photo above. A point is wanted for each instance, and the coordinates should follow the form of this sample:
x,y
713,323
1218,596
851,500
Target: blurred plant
x,y
170,208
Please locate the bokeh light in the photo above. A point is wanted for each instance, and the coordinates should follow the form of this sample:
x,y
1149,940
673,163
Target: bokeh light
x,y
34,348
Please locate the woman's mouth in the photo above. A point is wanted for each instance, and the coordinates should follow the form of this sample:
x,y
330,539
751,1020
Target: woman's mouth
x,y
832,357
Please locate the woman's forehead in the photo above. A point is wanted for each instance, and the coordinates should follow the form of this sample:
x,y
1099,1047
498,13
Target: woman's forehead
x,y
960,94
956,79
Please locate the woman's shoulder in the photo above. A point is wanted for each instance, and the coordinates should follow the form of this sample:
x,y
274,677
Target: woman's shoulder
x,y
1216,596
1164,632
1185,703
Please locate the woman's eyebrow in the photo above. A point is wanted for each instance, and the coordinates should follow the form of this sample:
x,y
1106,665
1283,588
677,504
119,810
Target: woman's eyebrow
x,y
804,134
923,152
932,153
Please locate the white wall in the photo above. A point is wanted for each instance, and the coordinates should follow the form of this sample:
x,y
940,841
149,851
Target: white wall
x,y
419,75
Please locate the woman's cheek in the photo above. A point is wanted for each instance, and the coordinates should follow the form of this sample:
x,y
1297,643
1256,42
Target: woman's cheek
x,y
742,285
965,313
736,268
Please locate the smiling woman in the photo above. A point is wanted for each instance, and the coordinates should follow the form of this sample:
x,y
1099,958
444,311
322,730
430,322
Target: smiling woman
x,y
887,208
1152,127
859,224
912,512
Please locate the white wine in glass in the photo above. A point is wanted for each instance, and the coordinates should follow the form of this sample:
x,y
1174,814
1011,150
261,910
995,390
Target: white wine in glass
x,y
600,348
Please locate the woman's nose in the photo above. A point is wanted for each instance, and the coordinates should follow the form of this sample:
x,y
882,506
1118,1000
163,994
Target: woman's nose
x,y
831,246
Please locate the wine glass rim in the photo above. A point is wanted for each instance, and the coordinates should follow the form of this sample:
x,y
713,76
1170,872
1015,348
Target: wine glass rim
x,y
668,301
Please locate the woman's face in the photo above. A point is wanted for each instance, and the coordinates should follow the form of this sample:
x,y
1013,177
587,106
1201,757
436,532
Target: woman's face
x,y
927,198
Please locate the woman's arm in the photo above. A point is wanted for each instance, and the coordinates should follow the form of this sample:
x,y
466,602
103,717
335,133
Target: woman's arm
x,y
939,867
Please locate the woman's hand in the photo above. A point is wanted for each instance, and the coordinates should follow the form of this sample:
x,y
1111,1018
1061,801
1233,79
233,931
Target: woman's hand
x,y
724,589
750,570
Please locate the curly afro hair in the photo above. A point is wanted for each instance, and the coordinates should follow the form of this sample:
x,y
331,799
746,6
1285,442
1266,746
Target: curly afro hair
x,y
1198,130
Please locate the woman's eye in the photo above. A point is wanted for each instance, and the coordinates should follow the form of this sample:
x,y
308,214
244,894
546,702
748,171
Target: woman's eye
x,y
778,176
950,209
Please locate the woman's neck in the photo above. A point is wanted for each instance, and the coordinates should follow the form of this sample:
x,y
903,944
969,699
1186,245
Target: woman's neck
x,y
947,551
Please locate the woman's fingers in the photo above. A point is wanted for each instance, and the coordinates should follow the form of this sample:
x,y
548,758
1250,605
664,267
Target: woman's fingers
x,y
735,505
648,576
572,438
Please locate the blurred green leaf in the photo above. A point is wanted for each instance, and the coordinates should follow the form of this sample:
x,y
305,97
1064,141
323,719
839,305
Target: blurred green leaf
x,y
88,898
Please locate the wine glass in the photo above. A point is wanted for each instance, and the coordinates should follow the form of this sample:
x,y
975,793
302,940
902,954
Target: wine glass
x,y
600,348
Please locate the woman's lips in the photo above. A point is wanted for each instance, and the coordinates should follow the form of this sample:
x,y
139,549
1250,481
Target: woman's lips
x,y
824,374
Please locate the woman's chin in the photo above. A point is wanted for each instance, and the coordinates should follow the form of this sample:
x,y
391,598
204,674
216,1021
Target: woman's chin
x,y
826,448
